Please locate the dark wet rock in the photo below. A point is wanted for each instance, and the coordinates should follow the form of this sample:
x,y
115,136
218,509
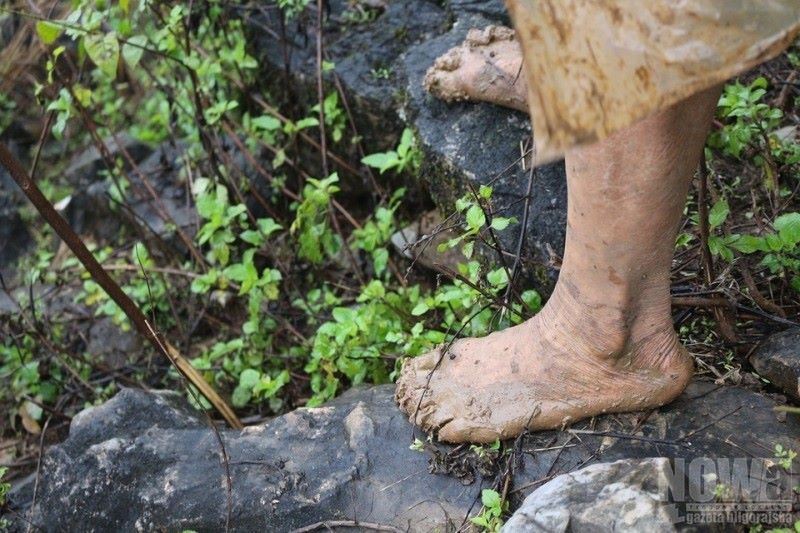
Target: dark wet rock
x,y
84,167
157,201
626,495
707,420
365,46
778,360
381,63
147,461
15,238
108,343
469,144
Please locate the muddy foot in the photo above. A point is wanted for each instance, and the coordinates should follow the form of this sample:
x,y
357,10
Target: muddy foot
x,y
486,67
543,374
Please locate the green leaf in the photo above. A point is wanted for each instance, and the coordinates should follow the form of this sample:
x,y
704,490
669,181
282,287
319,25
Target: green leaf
x,y
497,277
501,223
133,49
266,122
718,214
249,378
490,499
788,227
103,50
253,237
241,396
420,309
47,31
475,218
268,226
747,244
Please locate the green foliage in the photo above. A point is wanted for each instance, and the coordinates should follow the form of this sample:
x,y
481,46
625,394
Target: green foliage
x,y
407,156
750,125
294,321
785,457
781,247
4,487
490,518
311,224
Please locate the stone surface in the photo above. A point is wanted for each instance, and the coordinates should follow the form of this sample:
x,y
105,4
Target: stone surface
x,y
83,169
473,144
381,64
366,53
626,495
90,211
420,241
778,360
146,461
15,239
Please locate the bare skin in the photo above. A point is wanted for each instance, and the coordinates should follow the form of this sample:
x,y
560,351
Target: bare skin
x,y
487,67
604,341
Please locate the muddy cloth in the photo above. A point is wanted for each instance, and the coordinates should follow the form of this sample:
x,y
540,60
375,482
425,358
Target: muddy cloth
x,y
596,66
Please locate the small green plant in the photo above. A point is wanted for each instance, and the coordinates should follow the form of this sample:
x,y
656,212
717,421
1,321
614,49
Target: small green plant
x,y
760,529
483,451
781,247
407,156
335,117
785,456
750,124
381,73
491,516
4,486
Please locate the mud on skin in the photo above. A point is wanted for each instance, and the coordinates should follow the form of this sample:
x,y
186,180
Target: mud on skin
x,y
604,342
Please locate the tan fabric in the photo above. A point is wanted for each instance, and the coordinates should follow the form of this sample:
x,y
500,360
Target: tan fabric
x,y
596,66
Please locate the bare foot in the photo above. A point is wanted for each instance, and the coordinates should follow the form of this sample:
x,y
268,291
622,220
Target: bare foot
x,y
486,67
561,366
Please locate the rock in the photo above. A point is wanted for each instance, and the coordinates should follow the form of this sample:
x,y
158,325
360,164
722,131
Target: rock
x,y
472,144
420,242
778,360
147,461
381,62
626,495
90,211
706,421
108,343
84,167
365,46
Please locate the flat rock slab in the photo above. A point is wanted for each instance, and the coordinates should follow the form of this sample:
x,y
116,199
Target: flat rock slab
x,y
778,360
147,461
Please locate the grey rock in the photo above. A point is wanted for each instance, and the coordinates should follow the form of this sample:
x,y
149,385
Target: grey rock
x,y
108,343
90,211
472,144
626,495
84,167
366,54
778,360
706,421
147,461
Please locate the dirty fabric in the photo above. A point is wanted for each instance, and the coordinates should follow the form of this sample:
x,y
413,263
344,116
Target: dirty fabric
x,y
596,66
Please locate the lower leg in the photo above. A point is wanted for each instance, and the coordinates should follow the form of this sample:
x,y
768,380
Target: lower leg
x,y
604,342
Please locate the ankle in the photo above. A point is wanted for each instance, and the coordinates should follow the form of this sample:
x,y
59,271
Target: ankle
x,y
606,330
